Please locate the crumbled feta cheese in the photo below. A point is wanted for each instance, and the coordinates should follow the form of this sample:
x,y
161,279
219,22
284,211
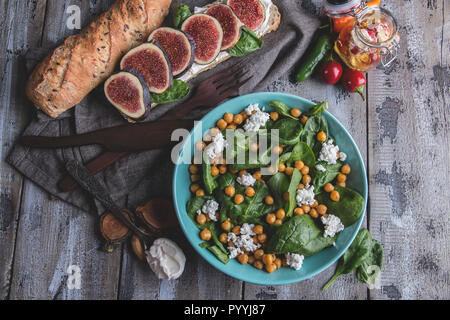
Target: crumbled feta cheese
x,y
246,180
305,195
342,156
332,225
329,152
257,119
216,147
210,208
243,241
320,167
294,260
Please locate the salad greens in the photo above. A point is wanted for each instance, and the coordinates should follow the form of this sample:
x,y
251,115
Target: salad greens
x,y
261,200
181,13
248,43
177,91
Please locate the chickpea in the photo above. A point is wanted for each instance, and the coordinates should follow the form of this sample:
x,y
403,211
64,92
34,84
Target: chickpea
x,y
193,169
267,259
257,175
321,136
229,191
243,258
258,229
253,147
278,149
201,218
223,237
258,264
233,171
341,184
251,259
262,237
195,177
238,199
341,177
289,171
205,234
286,196
274,116
271,267
214,131
258,254
226,225
221,124
306,179
313,213
214,171
304,119
238,119
281,167
250,192
269,200
200,193
236,230
228,117
280,214
270,218
230,244
223,169
298,211
301,186
231,126
346,169
305,170
194,187
306,208
278,222
242,172
334,195
328,187
322,209
299,164
315,204
200,145
295,112
278,263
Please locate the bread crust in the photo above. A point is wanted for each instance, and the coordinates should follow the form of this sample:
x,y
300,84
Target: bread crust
x,y
85,60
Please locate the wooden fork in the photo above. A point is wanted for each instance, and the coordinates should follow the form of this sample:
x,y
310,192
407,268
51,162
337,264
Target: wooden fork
x,y
210,92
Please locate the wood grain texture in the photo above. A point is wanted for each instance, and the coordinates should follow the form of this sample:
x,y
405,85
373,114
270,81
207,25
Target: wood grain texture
x,y
409,159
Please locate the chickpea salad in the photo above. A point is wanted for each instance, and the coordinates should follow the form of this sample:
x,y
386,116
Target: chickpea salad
x,y
271,200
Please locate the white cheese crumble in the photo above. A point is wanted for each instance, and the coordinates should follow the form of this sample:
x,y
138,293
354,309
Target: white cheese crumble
x,y
320,167
243,241
329,152
216,147
210,208
246,180
342,156
305,196
257,118
294,260
332,225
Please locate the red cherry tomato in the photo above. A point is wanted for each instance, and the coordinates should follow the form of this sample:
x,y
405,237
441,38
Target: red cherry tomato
x,y
354,81
330,72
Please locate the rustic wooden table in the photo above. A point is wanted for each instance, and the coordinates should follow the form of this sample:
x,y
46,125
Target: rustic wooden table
x,y
402,131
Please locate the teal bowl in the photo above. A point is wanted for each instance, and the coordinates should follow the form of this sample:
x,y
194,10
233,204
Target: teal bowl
x,y
312,265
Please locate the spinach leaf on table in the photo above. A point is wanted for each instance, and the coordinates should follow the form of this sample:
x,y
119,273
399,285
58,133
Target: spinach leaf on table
x,y
355,255
177,91
282,109
370,269
181,13
349,208
248,43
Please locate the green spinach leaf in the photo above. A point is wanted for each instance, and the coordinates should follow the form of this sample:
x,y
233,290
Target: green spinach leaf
x,y
349,208
177,91
318,109
248,43
282,109
289,130
370,269
321,178
222,256
278,185
181,13
209,182
304,153
292,190
355,255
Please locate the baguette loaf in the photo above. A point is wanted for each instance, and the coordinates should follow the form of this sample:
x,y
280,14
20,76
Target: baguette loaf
x,y
85,60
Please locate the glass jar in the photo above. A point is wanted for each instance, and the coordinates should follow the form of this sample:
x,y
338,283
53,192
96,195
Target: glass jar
x,y
372,38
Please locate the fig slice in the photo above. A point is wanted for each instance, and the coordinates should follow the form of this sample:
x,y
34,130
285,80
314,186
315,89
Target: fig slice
x,y
207,34
128,92
152,62
179,47
230,23
250,12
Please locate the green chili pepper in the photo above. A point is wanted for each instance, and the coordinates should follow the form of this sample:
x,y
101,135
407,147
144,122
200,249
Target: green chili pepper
x,y
320,50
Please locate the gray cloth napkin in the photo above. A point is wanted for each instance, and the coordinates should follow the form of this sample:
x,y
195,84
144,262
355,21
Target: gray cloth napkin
x,y
148,174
